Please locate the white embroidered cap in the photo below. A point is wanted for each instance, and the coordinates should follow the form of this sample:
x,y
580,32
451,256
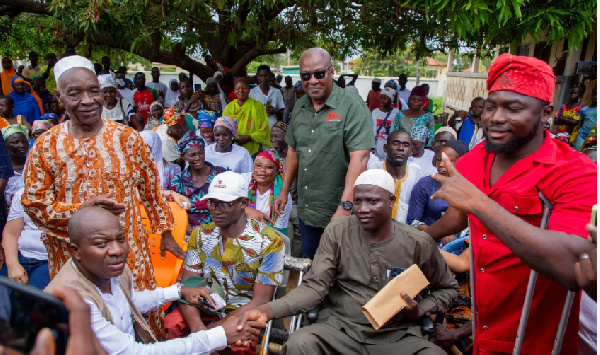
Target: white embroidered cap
x,y
389,92
70,62
107,81
227,186
376,177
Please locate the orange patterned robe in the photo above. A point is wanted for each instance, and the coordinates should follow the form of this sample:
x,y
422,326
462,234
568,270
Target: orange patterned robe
x,y
64,172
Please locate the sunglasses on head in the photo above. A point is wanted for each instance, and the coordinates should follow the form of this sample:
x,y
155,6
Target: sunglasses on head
x,y
319,74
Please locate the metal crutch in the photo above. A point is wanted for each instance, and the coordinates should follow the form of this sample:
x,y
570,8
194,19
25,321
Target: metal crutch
x,y
529,295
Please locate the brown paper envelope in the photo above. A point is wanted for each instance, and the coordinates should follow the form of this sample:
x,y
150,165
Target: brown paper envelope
x,y
387,302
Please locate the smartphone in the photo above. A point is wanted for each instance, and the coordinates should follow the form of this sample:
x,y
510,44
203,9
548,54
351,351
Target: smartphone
x,y
593,221
24,311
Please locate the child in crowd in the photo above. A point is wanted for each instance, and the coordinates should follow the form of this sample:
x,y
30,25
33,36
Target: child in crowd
x,y
568,117
206,124
224,152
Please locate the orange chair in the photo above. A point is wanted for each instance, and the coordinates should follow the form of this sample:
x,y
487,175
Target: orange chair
x,y
166,270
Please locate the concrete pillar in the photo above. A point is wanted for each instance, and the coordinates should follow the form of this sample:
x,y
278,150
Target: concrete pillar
x,y
569,76
418,72
450,60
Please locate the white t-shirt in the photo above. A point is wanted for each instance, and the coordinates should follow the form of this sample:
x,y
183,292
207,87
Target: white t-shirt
x,y
274,97
262,205
404,94
238,160
160,88
381,133
414,173
116,113
29,242
425,162
13,185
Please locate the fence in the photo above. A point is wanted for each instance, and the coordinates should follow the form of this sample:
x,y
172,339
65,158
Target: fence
x,y
461,89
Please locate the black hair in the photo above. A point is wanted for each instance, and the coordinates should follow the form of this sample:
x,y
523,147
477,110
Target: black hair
x,y
397,132
138,73
478,98
263,67
32,53
106,57
155,68
9,99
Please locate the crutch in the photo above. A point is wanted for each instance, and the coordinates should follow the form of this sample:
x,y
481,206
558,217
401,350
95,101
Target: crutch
x,y
562,325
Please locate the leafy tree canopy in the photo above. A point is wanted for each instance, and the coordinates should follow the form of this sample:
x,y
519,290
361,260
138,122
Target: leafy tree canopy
x,y
235,32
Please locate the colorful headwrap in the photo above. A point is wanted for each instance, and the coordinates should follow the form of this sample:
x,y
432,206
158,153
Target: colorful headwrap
x,y
274,190
49,116
12,129
393,83
228,123
206,118
419,91
43,125
524,75
282,125
419,133
173,116
17,79
189,140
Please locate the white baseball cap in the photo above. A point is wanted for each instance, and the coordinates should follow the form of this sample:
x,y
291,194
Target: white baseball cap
x,y
227,186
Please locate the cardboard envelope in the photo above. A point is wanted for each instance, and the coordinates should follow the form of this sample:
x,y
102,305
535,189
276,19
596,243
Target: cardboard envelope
x,y
388,302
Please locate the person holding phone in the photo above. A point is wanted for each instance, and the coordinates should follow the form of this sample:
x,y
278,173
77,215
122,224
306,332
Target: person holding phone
x,y
98,271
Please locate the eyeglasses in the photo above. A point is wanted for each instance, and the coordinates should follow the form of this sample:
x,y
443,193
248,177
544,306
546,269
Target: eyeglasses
x,y
220,205
319,74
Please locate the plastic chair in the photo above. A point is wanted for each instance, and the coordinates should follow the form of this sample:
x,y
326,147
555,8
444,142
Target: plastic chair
x,y
456,246
166,270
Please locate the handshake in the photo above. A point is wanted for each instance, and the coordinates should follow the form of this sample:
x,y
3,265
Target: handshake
x,y
245,330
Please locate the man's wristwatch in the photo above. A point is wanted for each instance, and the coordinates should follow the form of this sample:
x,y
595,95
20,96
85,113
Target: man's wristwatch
x,y
347,205
179,286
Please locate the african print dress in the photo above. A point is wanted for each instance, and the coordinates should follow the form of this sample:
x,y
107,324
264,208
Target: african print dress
x,y
182,183
403,123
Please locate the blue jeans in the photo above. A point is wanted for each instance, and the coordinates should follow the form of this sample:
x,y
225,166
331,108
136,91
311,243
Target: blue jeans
x,y
311,237
37,271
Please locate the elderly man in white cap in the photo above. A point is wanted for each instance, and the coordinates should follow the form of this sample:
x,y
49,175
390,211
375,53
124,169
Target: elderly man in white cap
x,y
373,95
93,161
383,120
116,109
351,265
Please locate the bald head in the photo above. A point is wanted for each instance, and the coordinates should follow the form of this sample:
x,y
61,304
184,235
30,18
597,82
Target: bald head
x,y
319,53
86,222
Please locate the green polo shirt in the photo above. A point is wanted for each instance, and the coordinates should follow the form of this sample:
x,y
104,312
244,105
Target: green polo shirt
x,y
323,141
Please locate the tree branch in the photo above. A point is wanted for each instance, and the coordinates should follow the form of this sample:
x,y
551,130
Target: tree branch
x,y
18,6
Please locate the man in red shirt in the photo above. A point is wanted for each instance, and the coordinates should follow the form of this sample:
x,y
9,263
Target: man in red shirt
x,y
497,194
143,96
373,96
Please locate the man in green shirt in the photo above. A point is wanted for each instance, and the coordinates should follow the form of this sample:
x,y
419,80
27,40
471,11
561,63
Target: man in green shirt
x,y
351,266
330,138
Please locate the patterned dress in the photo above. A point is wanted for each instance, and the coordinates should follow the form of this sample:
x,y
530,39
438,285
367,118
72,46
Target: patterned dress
x,y
182,183
567,133
63,172
256,256
407,124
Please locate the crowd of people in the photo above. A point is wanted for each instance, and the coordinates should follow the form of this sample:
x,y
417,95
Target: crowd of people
x,y
365,187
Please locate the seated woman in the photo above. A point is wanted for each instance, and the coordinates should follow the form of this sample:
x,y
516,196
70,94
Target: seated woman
x,y
26,256
206,125
422,210
251,115
224,152
416,115
194,180
18,148
264,186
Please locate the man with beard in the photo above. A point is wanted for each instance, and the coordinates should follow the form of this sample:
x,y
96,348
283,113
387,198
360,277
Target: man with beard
x,y
495,188
351,265
406,175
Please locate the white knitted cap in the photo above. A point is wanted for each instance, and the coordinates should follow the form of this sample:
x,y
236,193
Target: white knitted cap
x,y
376,177
70,62
107,81
389,92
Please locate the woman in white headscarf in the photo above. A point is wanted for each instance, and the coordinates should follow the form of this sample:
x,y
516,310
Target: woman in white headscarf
x,y
218,76
153,141
172,93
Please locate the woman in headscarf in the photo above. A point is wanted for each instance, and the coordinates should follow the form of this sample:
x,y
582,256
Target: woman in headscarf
x,y
206,124
172,93
224,91
18,148
157,111
30,91
194,180
170,133
251,115
263,188
212,96
115,108
25,104
41,126
226,153
8,72
415,115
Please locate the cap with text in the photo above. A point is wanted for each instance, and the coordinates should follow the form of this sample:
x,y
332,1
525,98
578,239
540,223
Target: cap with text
x,y
227,186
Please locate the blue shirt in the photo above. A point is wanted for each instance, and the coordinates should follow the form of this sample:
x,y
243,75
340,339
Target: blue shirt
x,y
467,130
421,207
589,116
